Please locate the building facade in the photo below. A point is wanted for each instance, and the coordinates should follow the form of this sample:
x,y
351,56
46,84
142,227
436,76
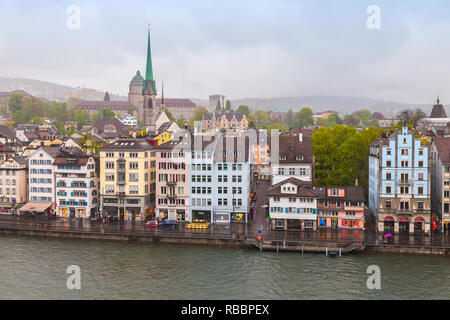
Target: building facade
x,y
440,177
225,121
76,177
13,184
341,207
127,179
399,183
41,176
295,159
293,205
172,181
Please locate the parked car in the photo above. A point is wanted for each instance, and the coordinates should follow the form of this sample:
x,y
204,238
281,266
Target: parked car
x,y
152,224
169,223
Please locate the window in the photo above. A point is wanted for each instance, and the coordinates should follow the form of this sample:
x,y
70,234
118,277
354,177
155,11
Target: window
x,y
404,190
420,176
420,163
404,205
133,177
388,163
388,189
109,176
420,190
109,165
388,151
420,205
388,204
404,152
133,165
420,152
133,189
388,176
404,164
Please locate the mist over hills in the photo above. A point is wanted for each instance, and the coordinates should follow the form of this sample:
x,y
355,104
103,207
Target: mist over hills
x,y
340,104
52,91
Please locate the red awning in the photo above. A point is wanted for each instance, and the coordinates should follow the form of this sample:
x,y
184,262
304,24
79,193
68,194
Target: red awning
x,y
404,219
419,220
388,219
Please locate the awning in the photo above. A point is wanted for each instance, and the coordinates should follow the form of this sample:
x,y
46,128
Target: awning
x,y
388,219
419,220
403,220
35,207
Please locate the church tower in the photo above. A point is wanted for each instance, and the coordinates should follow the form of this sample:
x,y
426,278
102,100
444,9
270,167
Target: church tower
x,y
149,92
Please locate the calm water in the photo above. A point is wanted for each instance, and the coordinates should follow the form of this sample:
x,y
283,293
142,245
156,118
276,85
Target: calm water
x,y
32,268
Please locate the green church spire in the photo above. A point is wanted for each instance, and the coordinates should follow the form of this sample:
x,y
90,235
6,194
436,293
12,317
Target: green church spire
x,y
149,72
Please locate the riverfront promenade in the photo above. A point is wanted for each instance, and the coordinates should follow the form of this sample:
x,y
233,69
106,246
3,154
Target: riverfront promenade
x,y
234,232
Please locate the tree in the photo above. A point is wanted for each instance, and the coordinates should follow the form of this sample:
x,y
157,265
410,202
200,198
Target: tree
x,y
33,107
228,105
243,109
341,154
72,102
181,122
169,115
411,117
36,120
15,102
290,119
218,107
260,117
107,114
350,120
199,113
59,125
280,126
304,118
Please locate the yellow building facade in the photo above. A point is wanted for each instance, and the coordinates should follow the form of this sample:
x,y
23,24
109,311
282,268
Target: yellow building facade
x,y
127,179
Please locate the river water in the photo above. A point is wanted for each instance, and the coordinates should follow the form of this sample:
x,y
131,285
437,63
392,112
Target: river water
x,y
35,268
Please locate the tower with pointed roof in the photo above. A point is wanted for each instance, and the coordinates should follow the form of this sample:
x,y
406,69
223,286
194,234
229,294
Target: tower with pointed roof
x,y
149,91
135,96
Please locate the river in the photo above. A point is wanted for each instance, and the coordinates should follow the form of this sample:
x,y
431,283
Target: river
x,y
35,268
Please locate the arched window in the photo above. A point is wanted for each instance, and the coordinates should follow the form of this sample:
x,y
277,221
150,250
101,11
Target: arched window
x,y
150,103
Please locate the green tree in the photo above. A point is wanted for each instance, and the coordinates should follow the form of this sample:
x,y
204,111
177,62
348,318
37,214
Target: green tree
x,y
181,122
218,107
59,125
304,118
243,109
36,120
228,106
15,102
199,113
169,115
107,114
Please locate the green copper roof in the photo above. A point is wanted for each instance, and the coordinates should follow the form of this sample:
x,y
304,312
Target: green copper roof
x,y
149,72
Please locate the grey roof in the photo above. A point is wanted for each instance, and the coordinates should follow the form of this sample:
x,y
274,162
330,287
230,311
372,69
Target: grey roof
x,y
128,144
443,147
438,111
228,115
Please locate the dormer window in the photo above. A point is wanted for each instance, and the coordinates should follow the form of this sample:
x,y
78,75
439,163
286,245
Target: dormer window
x,y
299,158
282,157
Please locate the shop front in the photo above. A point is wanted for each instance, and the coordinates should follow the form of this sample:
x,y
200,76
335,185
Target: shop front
x,y
418,224
389,225
163,214
403,225
238,217
181,215
221,217
201,216
352,224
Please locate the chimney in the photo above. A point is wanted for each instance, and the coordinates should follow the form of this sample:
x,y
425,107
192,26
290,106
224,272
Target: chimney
x,y
356,182
300,137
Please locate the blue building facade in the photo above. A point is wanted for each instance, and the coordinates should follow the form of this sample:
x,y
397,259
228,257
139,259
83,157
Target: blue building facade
x,y
399,183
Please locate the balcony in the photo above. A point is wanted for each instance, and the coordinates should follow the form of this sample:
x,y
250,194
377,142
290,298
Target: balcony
x,y
171,183
171,196
404,181
121,194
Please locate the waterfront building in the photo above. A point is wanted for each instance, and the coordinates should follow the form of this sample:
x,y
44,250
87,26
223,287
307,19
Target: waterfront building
x,y
41,176
201,175
440,178
127,179
172,182
293,205
225,121
295,159
76,176
13,183
231,179
399,183
341,207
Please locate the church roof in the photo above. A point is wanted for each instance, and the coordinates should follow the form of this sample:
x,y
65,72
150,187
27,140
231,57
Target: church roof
x,y
438,111
137,78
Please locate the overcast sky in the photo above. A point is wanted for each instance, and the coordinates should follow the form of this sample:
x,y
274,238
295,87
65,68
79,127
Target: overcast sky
x,y
239,48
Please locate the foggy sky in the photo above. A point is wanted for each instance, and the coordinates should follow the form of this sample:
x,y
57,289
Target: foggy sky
x,y
242,49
